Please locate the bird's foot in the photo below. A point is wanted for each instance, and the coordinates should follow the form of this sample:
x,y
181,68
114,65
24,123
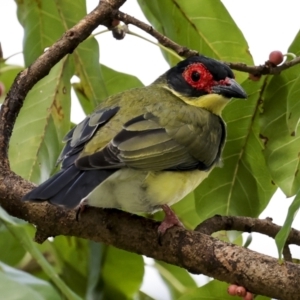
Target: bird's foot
x,y
169,221
80,208
240,291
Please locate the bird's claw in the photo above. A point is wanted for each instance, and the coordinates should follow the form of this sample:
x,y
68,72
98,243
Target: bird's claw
x,y
80,209
169,221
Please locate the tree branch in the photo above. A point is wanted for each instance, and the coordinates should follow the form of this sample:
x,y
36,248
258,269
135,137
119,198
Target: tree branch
x,y
194,251
245,224
186,52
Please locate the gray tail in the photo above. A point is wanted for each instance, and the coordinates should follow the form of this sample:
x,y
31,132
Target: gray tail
x,y
68,186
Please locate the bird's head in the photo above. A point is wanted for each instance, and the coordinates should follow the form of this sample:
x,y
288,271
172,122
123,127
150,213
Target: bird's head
x,y
204,82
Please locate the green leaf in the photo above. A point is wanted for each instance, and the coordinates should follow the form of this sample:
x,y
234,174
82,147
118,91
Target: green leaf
x,y
205,26
283,233
8,74
122,274
26,241
95,283
293,109
213,290
16,284
73,251
144,296
178,280
115,82
186,211
11,253
41,125
243,185
42,26
281,147
85,56
293,97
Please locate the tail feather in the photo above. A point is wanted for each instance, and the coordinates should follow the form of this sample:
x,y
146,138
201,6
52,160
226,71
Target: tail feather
x,y
68,186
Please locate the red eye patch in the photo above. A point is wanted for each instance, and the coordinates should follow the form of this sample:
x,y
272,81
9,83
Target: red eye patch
x,y
197,76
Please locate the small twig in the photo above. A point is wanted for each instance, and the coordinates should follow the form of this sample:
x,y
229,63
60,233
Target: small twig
x,y
247,224
263,69
156,44
180,50
186,52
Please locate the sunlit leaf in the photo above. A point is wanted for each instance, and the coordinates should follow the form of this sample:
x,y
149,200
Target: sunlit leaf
x,y
41,125
114,81
86,55
7,76
42,26
283,233
281,147
243,185
293,96
205,26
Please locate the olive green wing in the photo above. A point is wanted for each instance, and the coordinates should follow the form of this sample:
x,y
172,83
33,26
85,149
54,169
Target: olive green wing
x,y
147,142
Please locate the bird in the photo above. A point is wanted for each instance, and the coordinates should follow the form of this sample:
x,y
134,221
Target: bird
x,y
144,149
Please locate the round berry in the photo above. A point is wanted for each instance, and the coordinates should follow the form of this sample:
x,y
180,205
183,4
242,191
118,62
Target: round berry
x,y
241,291
232,290
248,296
276,57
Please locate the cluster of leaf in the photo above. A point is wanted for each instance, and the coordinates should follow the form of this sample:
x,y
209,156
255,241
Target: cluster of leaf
x,y
261,153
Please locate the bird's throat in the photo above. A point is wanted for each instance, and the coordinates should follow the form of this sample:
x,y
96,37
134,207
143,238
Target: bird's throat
x,y
214,103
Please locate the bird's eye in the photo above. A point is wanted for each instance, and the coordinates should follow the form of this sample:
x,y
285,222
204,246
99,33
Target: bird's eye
x,y
195,76
198,77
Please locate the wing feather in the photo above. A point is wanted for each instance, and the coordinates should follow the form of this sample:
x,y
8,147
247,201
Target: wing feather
x,y
145,144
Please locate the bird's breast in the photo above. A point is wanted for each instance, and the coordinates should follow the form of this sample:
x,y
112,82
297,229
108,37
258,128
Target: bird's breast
x,y
144,191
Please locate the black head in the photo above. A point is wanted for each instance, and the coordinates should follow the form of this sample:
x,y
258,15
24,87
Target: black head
x,y
199,75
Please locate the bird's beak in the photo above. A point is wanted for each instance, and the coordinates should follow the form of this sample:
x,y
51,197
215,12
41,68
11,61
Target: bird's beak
x,y
231,89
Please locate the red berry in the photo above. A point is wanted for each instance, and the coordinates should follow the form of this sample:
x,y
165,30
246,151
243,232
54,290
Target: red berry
x,y
2,89
232,290
248,296
241,291
276,57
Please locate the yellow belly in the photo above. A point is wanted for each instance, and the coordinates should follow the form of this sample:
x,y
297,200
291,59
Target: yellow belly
x,y
142,191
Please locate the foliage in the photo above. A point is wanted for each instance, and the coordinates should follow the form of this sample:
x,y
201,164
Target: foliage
x,y
261,153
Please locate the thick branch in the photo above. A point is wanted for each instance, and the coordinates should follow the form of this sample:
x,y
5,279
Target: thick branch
x,y
194,251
